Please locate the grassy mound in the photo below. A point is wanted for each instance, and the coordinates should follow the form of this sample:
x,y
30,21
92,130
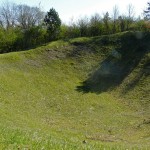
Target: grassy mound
x,y
85,93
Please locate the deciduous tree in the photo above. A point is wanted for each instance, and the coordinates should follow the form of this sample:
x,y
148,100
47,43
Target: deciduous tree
x,y
147,12
106,20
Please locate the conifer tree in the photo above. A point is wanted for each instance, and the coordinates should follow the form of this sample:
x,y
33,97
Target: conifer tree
x,y
53,24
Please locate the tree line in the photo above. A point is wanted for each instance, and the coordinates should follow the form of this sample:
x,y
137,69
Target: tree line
x,y
23,27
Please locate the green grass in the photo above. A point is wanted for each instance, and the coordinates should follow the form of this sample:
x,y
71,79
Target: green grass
x,y
41,108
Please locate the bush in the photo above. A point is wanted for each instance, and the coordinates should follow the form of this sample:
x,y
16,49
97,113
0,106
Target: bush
x,y
7,40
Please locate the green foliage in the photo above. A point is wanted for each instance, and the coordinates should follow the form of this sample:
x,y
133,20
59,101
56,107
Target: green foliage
x,y
122,23
53,24
7,40
70,31
106,20
32,33
83,25
95,25
16,39
33,36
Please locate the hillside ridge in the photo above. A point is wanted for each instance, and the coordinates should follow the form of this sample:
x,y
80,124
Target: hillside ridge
x,y
83,93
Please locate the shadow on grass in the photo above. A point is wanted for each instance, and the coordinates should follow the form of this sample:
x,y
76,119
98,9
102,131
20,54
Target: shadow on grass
x,y
143,73
113,71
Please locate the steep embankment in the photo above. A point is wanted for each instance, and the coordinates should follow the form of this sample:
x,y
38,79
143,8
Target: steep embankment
x,y
85,93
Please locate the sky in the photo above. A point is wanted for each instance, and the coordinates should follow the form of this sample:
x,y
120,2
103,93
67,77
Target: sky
x,y
74,9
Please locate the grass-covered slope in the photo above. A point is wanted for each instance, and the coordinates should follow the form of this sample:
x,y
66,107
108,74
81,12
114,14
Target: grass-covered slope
x,y
85,93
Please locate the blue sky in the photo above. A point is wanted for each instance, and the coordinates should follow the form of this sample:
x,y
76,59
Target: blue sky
x,y
69,9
